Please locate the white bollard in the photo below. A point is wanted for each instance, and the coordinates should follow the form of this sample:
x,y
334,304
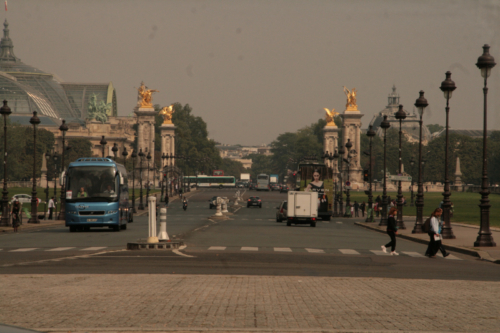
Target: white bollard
x,y
219,210
152,219
236,198
162,235
224,205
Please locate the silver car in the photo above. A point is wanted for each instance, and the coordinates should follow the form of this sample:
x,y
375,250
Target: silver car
x,y
281,214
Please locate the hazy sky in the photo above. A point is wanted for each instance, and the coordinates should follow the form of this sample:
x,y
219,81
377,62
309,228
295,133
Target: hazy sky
x,y
255,69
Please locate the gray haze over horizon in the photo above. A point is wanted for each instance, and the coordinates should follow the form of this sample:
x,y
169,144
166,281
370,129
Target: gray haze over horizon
x,y
255,69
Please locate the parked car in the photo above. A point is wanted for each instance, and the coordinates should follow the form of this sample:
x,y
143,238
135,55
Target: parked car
x,y
281,214
254,201
213,202
240,185
275,187
24,198
284,188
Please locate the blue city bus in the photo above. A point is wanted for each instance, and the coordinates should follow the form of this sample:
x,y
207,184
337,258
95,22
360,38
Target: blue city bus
x,y
96,195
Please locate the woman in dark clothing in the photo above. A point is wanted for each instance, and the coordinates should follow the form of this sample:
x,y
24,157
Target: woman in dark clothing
x,y
16,209
392,230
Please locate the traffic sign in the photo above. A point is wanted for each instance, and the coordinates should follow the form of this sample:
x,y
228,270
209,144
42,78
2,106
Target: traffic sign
x,y
347,183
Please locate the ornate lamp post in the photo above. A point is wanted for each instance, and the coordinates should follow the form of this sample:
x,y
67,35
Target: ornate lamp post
x,y
5,111
141,159
348,145
412,164
124,154
447,86
400,115
369,217
134,155
148,183
103,144
421,104
341,180
383,220
34,200
335,157
163,157
47,158
485,63
62,211
55,157
114,150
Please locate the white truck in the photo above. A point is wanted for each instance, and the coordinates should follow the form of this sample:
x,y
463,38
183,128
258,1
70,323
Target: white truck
x,y
302,208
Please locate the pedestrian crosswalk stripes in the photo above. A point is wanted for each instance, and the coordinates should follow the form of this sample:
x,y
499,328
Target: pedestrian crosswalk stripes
x,y
282,249
60,249
413,254
249,248
24,250
348,251
93,248
217,248
315,250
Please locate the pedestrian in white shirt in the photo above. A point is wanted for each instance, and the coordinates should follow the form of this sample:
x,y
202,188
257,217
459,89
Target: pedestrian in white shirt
x,y
51,207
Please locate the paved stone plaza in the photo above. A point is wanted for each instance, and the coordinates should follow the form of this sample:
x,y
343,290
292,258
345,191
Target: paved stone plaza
x,y
142,303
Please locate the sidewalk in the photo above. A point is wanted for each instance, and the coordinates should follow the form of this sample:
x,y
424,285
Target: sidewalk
x,y
31,226
465,235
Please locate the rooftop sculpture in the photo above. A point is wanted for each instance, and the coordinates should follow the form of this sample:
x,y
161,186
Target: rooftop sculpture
x,y
351,99
330,117
145,96
167,112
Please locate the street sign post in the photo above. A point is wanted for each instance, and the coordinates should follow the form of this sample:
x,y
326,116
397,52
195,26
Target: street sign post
x,y
347,183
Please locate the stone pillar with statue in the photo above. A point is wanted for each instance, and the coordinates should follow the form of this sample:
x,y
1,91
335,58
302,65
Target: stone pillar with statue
x,y
145,127
331,139
167,132
352,130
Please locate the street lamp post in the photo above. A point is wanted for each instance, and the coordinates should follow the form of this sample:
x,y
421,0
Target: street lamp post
x,y
5,111
103,144
134,155
62,210
400,115
421,104
447,86
163,157
148,185
335,157
34,200
412,164
124,154
348,145
485,63
47,158
141,158
383,220
115,150
55,157
341,180
369,217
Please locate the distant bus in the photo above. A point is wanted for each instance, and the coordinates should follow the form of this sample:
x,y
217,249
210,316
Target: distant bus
x,y
262,182
96,194
211,181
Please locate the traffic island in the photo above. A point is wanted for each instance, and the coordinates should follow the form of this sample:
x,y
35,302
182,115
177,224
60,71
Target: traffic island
x,y
144,245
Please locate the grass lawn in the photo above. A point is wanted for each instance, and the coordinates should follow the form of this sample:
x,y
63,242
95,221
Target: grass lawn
x,y
466,209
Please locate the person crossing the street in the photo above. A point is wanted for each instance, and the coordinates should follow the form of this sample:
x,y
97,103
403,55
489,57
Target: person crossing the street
x,y
392,230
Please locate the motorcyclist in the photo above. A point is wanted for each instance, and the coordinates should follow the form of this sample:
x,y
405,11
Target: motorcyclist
x,y
184,203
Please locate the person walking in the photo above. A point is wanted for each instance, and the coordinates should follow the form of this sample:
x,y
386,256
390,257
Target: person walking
x,y
375,208
16,210
435,228
362,207
51,207
392,230
356,209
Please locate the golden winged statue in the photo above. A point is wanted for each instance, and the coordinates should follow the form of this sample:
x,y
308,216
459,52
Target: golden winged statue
x,y
330,117
167,112
351,99
145,96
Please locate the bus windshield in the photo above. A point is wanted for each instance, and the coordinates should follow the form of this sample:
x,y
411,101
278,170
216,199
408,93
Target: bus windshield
x,y
92,183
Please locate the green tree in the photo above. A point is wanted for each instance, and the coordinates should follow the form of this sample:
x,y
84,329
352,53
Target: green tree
x,y
434,128
260,164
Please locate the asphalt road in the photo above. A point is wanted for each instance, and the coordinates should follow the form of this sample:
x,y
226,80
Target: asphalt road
x,y
249,242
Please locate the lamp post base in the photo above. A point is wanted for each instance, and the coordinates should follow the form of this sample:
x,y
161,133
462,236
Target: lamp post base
x,y
485,240
4,222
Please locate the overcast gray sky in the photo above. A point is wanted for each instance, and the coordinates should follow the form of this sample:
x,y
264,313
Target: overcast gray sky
x,y
255,69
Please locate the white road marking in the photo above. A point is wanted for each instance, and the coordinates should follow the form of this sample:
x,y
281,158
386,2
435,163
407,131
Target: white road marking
x,y
451,257
182,254
282,249
60,249
93,248
413,254
349,251
217,248
339,222
381,253
315,250
24,249
247,248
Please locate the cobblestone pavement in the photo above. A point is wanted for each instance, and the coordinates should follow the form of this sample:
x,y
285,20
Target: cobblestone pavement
x,y
197,303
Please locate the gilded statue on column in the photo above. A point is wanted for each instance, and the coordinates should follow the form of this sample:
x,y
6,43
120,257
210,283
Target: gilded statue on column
x,y
167,112
351,99
145,96
330,117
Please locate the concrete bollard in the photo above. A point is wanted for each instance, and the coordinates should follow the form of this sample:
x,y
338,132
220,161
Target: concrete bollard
x,y
224,205
219,204
236,198
162,235
152,219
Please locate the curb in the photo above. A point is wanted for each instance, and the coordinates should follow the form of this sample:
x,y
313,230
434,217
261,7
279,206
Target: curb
x,y
475,253
32,227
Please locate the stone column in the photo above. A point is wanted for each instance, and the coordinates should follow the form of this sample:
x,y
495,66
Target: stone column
x,y
352,130
330,144
458,176
167,132
145,136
